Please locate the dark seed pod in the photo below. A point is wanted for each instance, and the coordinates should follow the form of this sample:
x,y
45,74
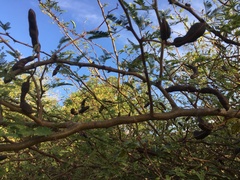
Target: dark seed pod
x,y
194,69
179,41
55,71
147,104
83,109
33,30
101,108
83,103
26,108
204,126
2,157
165,29
236,151
73,111
22,62
201,134
195,31
187,118
24,89
188,88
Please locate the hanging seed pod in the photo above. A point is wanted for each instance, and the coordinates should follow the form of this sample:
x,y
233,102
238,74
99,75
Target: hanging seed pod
x,y
74,112
101,108
195,31
22,62
2,157
147,104
201,134
24,89
188,88
26,108
179,41
83,109
165,29
56,70
83,103
203,125
33,30
194,69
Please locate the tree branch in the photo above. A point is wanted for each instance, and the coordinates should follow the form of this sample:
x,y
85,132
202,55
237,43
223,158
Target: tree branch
x,y
76,127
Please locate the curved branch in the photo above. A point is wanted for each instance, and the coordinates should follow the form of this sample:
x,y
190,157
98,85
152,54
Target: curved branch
x,y
76,127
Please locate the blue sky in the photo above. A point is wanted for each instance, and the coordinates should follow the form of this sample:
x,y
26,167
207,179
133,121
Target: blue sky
x,y
86,14
16,13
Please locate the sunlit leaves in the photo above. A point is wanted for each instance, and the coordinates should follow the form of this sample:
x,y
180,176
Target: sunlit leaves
x,y
14,54
42,131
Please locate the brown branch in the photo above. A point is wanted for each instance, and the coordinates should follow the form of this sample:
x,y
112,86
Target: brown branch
x,y
140,41
47,154
76,127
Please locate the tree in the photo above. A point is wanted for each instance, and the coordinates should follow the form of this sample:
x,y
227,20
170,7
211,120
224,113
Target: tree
x,y
163,106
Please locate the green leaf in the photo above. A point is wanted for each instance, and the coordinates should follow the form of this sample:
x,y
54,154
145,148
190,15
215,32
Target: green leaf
x,y
74,24
200,175
42,131
98,34
63,40
6,26
15,54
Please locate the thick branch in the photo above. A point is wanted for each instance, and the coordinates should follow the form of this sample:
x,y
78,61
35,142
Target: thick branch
x,y
76,127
